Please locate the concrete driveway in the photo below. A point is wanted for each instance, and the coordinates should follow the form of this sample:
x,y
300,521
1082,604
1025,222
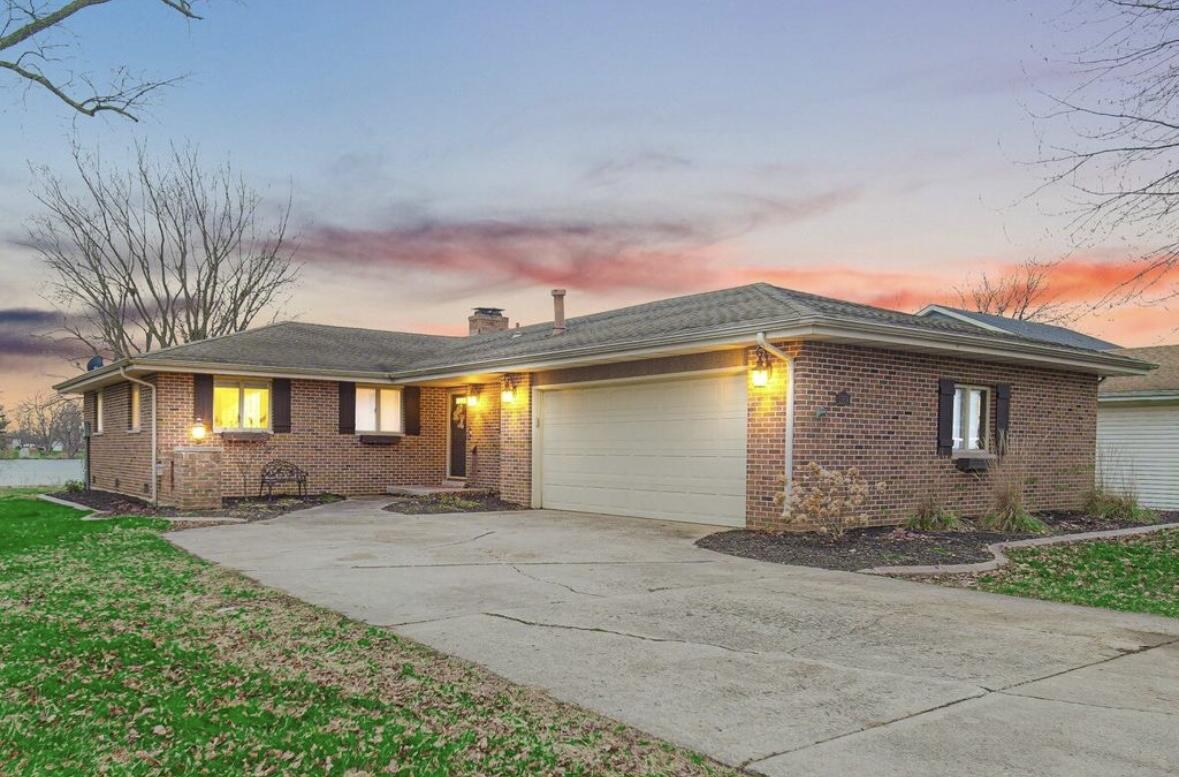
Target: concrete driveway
x,y
782,670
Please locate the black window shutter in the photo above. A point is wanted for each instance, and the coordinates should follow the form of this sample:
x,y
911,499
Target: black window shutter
x,y
347,408
411,401
202,399
945,417
1002,415
280,397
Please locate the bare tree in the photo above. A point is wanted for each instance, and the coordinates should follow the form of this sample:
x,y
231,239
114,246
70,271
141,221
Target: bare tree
x,y
1122,160
1022,293
159,255
29,49
49,420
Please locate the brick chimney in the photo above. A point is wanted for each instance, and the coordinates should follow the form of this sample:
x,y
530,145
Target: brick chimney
x,y
487,320
558,311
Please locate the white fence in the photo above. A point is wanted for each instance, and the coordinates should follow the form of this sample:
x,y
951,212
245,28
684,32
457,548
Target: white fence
x,y
39,472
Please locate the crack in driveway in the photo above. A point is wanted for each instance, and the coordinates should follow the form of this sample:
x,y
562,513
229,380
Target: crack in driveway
x,y
569,588
983,692
461,542
599,630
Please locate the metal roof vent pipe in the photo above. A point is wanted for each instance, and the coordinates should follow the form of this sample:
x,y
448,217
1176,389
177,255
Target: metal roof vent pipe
x,y
558,311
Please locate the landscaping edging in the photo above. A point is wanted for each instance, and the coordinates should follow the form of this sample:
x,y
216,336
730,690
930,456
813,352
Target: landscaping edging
x,y
1001,559
103,515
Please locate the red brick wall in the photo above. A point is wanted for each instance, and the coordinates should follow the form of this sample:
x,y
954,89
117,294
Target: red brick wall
x,y
120,459
337,463
889,430
515,426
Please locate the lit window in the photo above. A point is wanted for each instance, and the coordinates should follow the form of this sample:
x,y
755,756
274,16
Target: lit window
x,y
378,409
970,418
240,405
98,412
135,417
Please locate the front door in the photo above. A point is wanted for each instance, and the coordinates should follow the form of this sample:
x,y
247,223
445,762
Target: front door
x,y
458,436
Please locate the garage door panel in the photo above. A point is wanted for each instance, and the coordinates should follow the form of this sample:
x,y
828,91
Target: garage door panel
x,y
671,449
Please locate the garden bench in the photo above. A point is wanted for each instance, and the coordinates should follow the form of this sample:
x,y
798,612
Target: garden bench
x,y
278,472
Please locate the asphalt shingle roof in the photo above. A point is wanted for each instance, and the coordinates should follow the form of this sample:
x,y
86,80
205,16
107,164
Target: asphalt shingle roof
x,y
742,309
1036,331
1163,379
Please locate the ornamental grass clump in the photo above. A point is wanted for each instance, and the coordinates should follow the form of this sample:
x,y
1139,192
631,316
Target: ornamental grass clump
x,y
1009,479
1118,507
931,515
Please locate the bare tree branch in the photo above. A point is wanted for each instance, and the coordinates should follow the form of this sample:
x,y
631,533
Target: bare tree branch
x,y
1122,162
1022,293
160,254
30,24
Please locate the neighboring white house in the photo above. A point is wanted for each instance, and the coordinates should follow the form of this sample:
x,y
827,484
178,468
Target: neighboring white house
x,y
1138,430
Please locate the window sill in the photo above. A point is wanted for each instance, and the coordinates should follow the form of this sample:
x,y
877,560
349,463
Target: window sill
x,y
986,455
260,435
134,431
380,439
974,461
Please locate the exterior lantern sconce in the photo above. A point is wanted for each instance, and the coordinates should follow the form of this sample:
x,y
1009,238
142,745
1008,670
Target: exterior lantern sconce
x,y
473,396
199,430
760,375
509,393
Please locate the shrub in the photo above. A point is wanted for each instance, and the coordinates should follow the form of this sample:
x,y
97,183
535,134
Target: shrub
x,y
931,515
74,486
1120,507
830,498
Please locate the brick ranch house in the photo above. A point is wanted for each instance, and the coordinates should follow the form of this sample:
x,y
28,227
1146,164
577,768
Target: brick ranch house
x,y
701,408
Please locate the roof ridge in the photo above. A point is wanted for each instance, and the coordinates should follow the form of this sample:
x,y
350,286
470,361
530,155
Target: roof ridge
x,y
363,329
271,325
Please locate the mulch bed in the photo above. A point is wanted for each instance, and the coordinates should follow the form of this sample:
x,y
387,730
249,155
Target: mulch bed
x,y
888,546
246,508
450,503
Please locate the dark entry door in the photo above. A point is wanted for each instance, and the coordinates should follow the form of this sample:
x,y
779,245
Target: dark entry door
x,y
458,436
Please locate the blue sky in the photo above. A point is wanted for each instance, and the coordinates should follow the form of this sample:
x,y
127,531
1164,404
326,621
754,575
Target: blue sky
x,y
446,155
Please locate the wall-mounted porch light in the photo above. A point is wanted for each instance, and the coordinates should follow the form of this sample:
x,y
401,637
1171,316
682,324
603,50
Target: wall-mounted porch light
x,y
199,430
473,396
509,393
760,374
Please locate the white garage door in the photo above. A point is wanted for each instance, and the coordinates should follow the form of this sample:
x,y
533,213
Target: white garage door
x,y
671,449
1138,449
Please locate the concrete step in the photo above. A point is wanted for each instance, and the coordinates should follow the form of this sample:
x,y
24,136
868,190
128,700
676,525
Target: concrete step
x,y
442,488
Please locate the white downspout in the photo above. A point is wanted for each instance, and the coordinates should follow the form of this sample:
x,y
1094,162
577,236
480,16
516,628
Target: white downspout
x,y
789,448
154,454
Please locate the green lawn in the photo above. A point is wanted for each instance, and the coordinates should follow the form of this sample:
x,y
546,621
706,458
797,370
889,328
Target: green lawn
x,y
1138,574
121,654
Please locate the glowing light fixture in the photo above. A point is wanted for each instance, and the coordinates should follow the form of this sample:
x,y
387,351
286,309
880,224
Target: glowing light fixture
x,y
760,375
473,397
199,430
509,392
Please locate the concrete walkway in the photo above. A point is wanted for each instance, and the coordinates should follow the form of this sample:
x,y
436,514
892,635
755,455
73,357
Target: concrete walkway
x,y
783,670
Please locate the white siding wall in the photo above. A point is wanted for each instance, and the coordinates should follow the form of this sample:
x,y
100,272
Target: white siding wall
x,y
1138,450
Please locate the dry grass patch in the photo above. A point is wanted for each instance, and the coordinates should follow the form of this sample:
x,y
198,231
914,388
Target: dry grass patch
x,y
121,654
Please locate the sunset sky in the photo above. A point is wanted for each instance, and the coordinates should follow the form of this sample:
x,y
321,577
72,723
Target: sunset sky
x,y
448,155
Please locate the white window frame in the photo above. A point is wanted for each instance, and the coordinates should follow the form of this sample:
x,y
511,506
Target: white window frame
x,y
401,413
962,391
98,413
241,384
135,408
